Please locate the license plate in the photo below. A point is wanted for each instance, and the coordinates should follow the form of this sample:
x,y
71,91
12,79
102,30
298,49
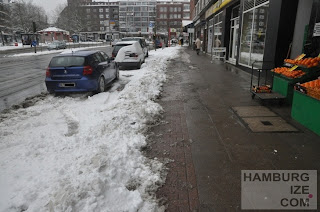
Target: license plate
x,y
67,85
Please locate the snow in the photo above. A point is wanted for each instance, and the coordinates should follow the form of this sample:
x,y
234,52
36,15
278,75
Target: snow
x,y
79,153
52,29
39,52
133,48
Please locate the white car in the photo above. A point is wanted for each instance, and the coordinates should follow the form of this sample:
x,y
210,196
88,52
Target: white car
x,y
130,55
114,42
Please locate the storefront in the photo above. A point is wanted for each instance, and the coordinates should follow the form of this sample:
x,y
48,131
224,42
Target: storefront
x,y
254,28
234,35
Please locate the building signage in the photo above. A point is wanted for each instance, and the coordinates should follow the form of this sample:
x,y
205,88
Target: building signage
x,y
316,30
216,7
190,30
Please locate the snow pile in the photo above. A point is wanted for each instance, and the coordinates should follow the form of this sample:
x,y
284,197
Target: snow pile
x,y
84,154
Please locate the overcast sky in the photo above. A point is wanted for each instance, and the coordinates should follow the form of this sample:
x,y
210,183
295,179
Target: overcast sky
x,y
48,5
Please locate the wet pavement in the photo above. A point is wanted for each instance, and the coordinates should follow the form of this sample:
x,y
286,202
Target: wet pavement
x,y
206,141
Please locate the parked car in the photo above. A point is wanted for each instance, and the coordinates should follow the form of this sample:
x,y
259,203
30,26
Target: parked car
x,y
142,42
118,46
130,55
80,71
114,42
57,45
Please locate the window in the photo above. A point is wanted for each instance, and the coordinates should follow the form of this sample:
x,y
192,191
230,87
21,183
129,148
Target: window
x,y
100,16
88,16
161,9
122,9
175,9
151,9
137,9
137,14
88,10
107,10
175,15
165,15
145,14
253,36
130,9
171,16
107,15
186,7
179,9
94,10
100,10
179,15
144,19
101,28
186,15
101,22
89,29
144,9
171,9
137,19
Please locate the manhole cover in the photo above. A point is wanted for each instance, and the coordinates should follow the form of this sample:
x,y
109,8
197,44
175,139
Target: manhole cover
x,y
268,124
253,111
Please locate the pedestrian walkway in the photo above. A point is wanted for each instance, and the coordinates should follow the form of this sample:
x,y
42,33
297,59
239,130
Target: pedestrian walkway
x,y
206,138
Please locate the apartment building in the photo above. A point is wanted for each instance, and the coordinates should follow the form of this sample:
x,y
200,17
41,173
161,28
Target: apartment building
x,y
137,17
170,15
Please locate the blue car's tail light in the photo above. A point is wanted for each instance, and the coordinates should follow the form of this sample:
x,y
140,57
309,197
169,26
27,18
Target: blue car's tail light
x,y
48,73
87,70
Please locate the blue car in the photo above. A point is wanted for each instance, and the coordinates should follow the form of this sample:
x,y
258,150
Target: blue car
x,y
81,71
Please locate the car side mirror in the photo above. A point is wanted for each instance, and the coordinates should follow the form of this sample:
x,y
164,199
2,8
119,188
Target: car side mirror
x,y
110,59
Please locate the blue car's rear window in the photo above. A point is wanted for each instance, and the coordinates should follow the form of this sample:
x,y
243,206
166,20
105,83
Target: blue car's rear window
x,y
67,61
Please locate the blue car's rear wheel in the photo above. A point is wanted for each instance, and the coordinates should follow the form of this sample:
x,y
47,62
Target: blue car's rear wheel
x,y
101,85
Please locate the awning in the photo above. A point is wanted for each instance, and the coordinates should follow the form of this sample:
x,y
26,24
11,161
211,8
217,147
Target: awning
x,y
186,23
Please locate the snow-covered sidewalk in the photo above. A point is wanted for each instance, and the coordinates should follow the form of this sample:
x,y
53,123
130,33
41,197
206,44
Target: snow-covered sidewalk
x,y
84,154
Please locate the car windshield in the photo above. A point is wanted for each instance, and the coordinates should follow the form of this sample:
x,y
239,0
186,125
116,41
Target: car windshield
x,y
67,61
118,47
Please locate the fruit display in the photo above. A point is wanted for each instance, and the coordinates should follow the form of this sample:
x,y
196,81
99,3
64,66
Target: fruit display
x,y
287,73
307,62
262,89
311,88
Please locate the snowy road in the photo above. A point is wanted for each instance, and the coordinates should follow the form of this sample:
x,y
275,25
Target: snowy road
x,y
84,153
23,75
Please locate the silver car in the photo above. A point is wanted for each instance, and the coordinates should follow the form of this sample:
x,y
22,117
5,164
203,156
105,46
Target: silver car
x,y
57,45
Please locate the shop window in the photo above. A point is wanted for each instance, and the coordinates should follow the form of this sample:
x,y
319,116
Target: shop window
x,y
253,36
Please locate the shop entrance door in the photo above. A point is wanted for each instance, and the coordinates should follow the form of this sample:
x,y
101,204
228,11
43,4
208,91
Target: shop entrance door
x,y
233,47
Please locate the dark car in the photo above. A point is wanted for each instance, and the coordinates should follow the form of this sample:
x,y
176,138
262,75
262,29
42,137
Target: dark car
x,y
81,71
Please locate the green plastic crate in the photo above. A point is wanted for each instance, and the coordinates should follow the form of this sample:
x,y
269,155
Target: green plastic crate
x,y
306,110
283,87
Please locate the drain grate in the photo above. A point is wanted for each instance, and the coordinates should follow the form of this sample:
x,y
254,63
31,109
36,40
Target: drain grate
x,y
266,123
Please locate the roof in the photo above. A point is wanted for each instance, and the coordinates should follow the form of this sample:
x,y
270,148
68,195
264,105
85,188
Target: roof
x,y
82,53
126,42
52,29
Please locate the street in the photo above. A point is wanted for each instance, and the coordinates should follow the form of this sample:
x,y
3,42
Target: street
x,y
22,77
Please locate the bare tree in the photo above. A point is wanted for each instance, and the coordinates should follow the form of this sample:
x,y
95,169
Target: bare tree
x,y
23,14
72,18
